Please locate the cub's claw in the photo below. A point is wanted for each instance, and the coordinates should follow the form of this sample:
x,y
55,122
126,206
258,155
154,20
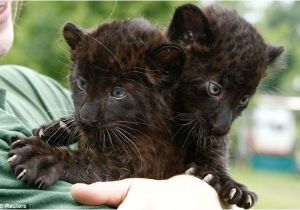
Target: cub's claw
x,y
235,193
228,190
190,171
58,133
249,200
12,158
208,178
41,133
62,124
232,193
22,174
15,143
34,162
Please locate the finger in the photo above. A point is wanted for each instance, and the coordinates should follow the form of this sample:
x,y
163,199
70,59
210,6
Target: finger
x,y
100,193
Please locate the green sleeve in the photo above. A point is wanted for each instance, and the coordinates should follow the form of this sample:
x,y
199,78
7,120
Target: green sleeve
x,y
28,100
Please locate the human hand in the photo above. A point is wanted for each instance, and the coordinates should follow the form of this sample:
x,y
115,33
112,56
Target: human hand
x,y
177,193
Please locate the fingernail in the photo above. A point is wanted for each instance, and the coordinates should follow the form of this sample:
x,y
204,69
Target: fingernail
x,y
78,185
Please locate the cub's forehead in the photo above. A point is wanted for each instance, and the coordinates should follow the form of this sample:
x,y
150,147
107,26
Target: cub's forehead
x,y
119,44
238,51
236,42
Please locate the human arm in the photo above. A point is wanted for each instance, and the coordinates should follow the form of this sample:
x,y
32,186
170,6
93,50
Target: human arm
x,y
23,94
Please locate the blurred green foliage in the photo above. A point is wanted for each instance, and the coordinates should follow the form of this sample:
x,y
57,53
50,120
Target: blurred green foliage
x,y
281,25
39,44
38,40
274,190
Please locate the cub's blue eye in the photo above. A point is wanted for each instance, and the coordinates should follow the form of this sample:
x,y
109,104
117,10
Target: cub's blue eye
x,y
81,83
118,93
244,101
213,89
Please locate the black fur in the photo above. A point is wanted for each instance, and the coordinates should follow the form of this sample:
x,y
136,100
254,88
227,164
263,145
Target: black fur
x,y
121,76
227,59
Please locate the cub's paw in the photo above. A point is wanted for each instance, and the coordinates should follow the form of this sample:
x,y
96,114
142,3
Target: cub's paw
x,y
34,162
236,193
229,190
57,132
206,176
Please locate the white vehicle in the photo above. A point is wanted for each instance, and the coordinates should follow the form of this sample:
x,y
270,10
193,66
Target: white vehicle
x,y
273,131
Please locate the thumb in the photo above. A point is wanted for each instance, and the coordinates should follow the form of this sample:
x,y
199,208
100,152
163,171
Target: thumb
x,y
100,193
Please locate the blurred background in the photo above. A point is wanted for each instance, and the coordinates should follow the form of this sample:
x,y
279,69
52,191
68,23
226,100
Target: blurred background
x,y
265,141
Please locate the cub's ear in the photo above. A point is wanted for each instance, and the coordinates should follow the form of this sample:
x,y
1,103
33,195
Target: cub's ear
x,y
168,59
190,24
72,34
274,52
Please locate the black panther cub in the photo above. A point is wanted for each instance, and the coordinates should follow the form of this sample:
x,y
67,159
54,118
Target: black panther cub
x,y
227,59
120,78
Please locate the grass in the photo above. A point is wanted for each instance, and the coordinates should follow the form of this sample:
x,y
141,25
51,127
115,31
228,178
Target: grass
x,y
274,190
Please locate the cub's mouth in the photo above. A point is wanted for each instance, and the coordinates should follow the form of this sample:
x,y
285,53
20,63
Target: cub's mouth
x,y
207,128
96,126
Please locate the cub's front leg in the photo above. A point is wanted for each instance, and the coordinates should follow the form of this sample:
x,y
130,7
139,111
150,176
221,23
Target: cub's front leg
x,y
35,162
228,189
210,165
38,164
62,132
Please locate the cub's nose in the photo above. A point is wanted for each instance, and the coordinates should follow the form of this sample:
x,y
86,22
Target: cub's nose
x,y
221,129
222,123
87,121
88,115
